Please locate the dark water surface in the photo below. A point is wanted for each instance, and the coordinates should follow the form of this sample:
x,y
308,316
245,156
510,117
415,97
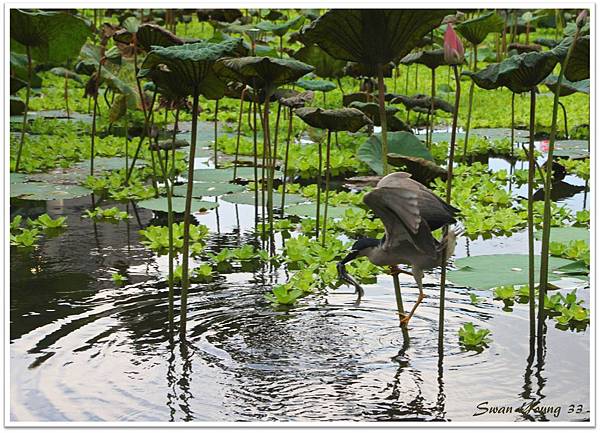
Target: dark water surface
x,y
82,349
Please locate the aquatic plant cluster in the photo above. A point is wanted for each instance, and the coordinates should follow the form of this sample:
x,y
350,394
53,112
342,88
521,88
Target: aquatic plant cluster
x,y
294,116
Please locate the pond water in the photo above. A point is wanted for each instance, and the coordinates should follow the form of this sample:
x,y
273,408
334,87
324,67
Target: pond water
x,y
82,349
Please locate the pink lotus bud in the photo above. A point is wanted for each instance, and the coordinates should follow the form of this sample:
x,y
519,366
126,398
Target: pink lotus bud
x,y
580,21
454,52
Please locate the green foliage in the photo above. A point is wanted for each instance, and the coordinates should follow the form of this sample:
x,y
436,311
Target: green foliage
x,y
107,214
119,279
46,222
574,250
472,338
156,238
27,238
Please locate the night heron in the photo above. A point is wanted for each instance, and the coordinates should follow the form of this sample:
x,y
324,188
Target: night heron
x,y
410,212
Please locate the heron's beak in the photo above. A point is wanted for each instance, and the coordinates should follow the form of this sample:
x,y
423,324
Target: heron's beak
x,y
345,276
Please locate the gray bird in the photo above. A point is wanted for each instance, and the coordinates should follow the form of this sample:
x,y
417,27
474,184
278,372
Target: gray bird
x,y
410,212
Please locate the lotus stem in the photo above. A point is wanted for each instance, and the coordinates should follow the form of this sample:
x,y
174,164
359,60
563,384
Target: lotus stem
x,y
327,176
530,224
216,133
239,132
255,140
449,201
340,86
185,276
431,110
564,110
407,78
94,112
399,304
383,119
471,91
548,191
319,180
272,167
146,132
285,163
512,125
67,96
27,95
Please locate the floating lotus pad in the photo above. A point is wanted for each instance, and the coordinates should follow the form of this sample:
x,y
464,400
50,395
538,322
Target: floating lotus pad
x,y
402,143
573,149
206,189
18,178
494,270
160,205
47,191
310,210
247,197
566,234
224,174
499,133
113,163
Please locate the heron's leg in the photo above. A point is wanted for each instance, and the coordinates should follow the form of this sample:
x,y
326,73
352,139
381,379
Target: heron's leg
x,y
395,270
418,274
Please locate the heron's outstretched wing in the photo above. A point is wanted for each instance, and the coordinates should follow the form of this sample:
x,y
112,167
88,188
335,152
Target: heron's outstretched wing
x,y
398,210
432,209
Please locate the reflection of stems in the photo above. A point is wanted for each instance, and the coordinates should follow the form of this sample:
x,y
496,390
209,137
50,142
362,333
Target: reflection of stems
x,y
285,163
327,175
448,200
185,278
382,118
530,225
254,96
27,95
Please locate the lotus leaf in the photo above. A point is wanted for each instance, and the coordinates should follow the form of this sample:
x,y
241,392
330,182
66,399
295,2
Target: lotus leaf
x,y
573,149
310,210
567,87
432,59
148,36
422,170
341,119
579,64
402,143
247,198
488,271
566,234
222,174
52,36
325,65
160,204
65,73
47,191
316,85
206,189
476,30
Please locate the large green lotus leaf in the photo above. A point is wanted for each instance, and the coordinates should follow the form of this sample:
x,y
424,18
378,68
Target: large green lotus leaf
x,y
573,149
208,189
47,191
160,204
149,35
566,234
54,37
360,70
402,143
170,85
520,73
310,210
262,72
578,67
325,65
282,28
190,64
340,119
316,85
494,270
372,36
567,87
476,30
247,197
431,59
18,70
223,174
